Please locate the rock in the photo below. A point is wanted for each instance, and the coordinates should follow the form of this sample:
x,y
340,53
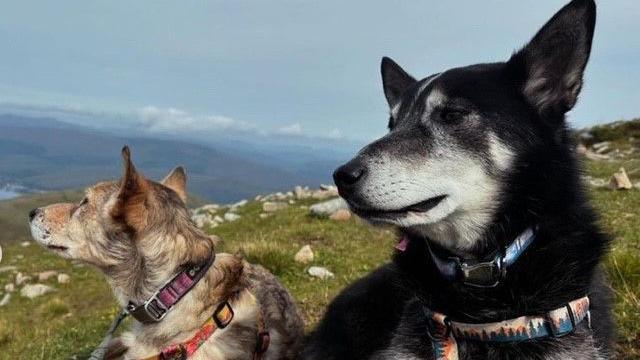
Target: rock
x,y
341,215
300,193
63,278
209,208
8,268
201,219
240,203
581,149
34,290
595,182
218,219
264,215
601,147
271,206
320,272
21,278
229,216
327,208
596,157
46,275
326,193
19,256
25,243
10,287
5,300
304,255
620,181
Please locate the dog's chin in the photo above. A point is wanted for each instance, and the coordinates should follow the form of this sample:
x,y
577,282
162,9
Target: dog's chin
x,y
43,238
425,212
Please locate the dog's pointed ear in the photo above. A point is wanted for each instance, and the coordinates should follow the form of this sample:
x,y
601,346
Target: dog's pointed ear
x,y
551,66
394,80
129,208
177,181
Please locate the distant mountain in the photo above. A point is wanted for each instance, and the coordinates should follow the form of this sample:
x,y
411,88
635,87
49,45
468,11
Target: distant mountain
x,y
45,154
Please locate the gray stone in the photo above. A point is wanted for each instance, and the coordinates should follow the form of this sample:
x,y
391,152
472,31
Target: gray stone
x,y
34,290
326,208
5,300
272,206
304,255
620,181
63,278
10,287
46,275
21,278
8,268
229,216
320,272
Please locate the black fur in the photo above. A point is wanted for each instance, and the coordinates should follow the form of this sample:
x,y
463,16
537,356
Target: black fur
x,y
382,314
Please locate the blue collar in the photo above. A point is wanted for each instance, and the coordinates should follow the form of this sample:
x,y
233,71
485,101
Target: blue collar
x,y
483,274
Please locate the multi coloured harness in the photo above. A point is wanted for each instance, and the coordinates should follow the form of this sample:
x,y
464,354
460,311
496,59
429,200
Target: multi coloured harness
x,y
154,309
443,331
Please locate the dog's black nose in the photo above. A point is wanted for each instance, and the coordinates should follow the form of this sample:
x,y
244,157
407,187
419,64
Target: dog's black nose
x,y
349,174
33,213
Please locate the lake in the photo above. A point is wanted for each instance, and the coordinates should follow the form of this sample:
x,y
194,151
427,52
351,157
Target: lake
x,y
8,194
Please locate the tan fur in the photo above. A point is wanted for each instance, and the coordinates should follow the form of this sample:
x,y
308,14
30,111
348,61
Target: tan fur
x,y
139,233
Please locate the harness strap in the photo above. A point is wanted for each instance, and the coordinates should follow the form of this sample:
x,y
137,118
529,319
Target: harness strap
x,y
556,323
220,319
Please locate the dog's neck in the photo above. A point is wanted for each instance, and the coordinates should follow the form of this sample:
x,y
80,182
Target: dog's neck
x,y
150,263
557,267
223,282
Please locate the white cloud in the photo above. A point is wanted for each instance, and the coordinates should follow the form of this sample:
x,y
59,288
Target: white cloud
x,y
293,129
166,120
159,121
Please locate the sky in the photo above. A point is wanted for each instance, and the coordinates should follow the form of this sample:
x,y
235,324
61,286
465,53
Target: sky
x,y
307,69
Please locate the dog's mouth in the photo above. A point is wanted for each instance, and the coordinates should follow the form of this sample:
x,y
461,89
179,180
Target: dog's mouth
x,y
57,248
421,207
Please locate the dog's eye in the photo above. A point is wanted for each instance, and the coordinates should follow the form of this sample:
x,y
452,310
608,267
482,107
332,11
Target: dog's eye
x,y
84,201
452,115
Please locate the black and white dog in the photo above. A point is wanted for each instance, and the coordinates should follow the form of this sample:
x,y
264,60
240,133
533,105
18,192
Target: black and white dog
x,y
499,252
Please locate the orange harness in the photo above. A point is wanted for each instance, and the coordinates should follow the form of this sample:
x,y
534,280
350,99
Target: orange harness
x,y
220,319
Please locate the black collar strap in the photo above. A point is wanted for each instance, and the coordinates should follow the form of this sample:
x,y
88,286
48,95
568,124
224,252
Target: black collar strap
x,y
483,273
158,305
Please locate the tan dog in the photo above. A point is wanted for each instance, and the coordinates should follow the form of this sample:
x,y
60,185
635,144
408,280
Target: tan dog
x,y
139,234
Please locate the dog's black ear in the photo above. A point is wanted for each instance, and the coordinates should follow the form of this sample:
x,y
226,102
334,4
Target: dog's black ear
x,y
177,181
394,80
129,208
551,66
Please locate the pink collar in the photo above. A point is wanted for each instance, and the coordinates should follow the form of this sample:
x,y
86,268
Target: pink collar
x,y
158,305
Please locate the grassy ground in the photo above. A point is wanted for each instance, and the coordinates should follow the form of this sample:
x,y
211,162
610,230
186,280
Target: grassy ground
x,y
70,321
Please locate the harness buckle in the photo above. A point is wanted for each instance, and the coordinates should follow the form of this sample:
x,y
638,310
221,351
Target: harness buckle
x,y
219,319
483,274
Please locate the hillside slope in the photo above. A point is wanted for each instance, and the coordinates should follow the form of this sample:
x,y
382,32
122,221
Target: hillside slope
x,y
45,154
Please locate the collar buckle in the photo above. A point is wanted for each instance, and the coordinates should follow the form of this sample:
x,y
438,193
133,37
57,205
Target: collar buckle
x,y
152,311
486,274
155,308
